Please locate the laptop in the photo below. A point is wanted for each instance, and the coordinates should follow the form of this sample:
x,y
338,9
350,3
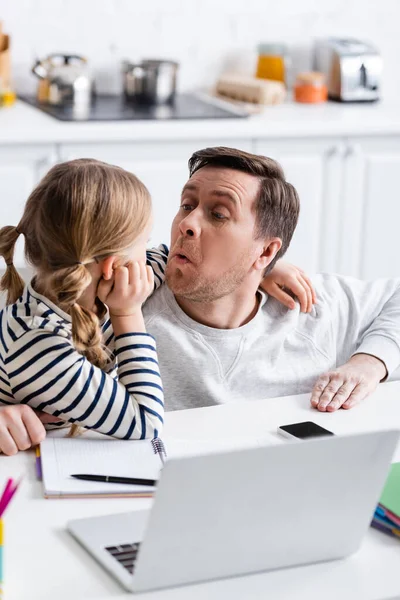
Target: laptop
x,y
244,511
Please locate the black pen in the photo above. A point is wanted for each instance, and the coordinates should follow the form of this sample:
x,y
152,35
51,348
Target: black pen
x,y
112,479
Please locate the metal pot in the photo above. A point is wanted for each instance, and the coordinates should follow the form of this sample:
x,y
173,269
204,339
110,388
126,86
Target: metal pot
x,y
64,79
151,81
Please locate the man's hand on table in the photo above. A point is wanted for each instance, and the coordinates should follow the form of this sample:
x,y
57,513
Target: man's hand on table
x,y
349,384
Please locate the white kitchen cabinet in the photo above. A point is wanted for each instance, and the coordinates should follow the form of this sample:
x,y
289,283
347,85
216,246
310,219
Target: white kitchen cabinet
x,y
314,167
21,167
162,166
375,182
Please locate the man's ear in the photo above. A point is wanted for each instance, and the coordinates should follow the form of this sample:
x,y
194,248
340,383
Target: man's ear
x,y
108,266
268,254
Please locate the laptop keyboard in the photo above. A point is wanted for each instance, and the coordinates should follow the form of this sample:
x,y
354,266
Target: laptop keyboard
x,y
125,554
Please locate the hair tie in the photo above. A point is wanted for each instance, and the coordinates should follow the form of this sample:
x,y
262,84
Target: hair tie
x,y
9,264
18,231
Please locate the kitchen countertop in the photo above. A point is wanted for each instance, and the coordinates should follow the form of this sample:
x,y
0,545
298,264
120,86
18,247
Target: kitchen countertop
x,y
24,124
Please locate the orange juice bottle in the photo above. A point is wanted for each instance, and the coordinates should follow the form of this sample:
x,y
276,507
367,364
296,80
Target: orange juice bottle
x,y
272,62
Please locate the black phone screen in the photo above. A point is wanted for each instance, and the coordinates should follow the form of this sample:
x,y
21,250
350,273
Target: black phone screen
x,y
305,430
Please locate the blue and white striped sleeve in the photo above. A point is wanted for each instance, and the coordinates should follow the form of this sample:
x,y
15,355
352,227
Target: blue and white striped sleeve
x,y
6,396
46,372
157,260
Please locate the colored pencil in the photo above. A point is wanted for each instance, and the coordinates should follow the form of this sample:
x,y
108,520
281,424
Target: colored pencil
x,y
5,494
387,513
38,464
9,491
1,559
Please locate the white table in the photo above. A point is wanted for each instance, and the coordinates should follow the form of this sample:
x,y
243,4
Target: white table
x,y
43,562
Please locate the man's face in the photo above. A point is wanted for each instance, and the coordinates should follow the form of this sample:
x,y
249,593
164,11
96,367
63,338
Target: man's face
x,y
212,239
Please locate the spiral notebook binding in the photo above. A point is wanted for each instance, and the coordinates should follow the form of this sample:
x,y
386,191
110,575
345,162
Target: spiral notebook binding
x,y
158,447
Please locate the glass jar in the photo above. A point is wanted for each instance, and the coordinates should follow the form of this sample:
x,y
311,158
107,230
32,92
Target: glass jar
x,y
272,61
310,88
7,95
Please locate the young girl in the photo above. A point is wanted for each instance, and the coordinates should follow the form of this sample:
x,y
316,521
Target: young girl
x,y
83,222
86,226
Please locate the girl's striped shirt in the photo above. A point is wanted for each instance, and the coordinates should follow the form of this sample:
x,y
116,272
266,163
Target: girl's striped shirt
x,y
39,366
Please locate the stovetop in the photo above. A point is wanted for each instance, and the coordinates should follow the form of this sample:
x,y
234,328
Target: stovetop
x,y
116,108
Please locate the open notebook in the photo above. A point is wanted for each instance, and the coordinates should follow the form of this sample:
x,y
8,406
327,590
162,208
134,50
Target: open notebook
x,y
60,457
96,454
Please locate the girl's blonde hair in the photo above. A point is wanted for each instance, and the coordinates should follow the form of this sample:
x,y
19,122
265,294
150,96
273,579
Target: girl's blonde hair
x,y
81,210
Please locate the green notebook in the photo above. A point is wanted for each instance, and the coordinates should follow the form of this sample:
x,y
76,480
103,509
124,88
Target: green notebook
x,y
390,498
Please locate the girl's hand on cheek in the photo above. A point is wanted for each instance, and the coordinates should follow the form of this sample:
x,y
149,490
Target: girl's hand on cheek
x,y
104,288
125,293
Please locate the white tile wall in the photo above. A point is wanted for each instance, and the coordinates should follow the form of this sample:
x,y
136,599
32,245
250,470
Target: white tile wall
x,y
205,36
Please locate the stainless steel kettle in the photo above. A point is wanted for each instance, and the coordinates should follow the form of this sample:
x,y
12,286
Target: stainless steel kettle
x,y
150,81
64,79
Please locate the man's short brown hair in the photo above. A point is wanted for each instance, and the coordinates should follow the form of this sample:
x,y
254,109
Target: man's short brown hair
x,y
277,205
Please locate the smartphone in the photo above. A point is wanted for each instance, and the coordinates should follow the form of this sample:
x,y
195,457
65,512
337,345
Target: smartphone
x,y
304,430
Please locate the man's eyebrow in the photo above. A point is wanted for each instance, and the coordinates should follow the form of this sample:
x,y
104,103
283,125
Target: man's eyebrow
x,y
191,187
227,195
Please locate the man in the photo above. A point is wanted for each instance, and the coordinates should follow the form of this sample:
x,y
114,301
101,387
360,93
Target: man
x,y
220,339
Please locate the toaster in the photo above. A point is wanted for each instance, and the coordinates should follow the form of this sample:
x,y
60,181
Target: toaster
x,y
352,69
